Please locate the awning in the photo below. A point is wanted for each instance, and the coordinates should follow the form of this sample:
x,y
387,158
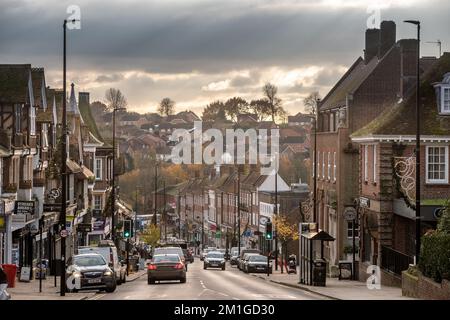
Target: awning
x,y
73,166
85,173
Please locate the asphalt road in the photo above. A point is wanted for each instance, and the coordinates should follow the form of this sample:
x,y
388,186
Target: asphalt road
x,y
210,284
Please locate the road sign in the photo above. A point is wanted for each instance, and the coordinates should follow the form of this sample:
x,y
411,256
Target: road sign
x,y
350,213
64,233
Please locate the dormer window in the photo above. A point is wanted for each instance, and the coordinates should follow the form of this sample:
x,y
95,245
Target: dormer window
x,y
443,95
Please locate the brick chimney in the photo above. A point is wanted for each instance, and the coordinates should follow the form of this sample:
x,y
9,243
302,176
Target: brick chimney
x,y
372,44
387,37
408,65
83,98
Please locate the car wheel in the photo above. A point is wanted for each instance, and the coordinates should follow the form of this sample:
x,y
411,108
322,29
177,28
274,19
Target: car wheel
x,y
223,268
150,281
204,266
124,278
183,280
110,289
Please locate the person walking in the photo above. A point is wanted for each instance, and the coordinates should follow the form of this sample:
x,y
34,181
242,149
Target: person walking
x,y
3,284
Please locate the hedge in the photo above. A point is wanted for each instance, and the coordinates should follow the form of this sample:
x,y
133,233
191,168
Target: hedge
x,y
435,256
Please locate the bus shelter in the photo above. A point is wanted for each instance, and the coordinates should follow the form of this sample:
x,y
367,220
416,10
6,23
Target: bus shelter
x,y
312,266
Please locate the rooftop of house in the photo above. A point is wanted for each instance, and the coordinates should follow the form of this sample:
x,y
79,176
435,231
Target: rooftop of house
x,y
89,121
400,119
14,83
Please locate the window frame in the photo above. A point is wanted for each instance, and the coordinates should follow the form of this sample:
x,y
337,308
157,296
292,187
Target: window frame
x,y
97,168
350,229
366,163
446,165
442,109
323,165
334,166
329,166
375,163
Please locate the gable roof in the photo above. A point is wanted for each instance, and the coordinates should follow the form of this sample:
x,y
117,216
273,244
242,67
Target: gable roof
x,y
400,119
14,83
86,114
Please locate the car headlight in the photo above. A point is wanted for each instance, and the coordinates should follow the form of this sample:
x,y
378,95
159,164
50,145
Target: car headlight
x,y
107,273
76,274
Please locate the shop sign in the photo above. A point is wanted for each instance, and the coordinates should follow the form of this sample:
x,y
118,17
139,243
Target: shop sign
x,y
24,207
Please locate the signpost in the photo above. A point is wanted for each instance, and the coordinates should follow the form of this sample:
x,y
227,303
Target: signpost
x,y
350,214
64,233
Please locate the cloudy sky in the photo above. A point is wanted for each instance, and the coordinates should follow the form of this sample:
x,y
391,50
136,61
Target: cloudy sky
x,y
197,51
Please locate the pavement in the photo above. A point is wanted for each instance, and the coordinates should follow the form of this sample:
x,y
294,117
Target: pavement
x,y
337,289
30,290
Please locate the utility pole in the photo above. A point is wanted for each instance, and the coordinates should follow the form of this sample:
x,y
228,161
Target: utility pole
x,y
203,218
155,197
164,212
315,163
239,209
275,211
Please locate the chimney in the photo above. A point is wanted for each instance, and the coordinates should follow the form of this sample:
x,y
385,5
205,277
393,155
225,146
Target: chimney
x,y
387,37
372,44
408,66
83,98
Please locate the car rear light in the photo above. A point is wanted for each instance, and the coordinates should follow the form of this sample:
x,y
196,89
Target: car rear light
x,y
179,266
151,267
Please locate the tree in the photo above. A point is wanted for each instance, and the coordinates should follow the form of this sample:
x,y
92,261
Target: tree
x,y
270,92
236,106
115,99
261,108
214,111
166,107
310,102
150,235
286,231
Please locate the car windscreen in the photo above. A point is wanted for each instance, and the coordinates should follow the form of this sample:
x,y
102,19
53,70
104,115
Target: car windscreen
x,y
88,261
216,255
258,259
168,251
166,258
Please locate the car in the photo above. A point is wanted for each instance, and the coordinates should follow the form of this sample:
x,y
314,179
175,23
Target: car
x,y
204,253
108,251
234,255
93,272
214,259
189,256
166,267
256,263
244,260
170,250
244,251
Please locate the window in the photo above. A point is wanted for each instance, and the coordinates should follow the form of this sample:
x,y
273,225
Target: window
x,y
318,164
332,128
334,166
98,202
374,163
445,103
323,165
366,167
350,229
329,166
18,117
313,164
98,169
437,164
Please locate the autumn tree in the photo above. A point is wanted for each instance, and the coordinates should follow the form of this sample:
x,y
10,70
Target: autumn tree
x,y
214,111
166,107
150,235
270,92
286,231
115,99
235,106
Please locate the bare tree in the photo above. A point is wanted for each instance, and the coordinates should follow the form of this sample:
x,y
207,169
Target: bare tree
x,y
310,102
166,107
270,92
115,99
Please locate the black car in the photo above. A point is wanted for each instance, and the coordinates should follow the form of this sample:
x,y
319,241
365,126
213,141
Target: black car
x,y
166,267
257,263
90,271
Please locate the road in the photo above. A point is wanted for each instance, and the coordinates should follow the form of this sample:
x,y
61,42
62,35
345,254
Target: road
x,y
210,284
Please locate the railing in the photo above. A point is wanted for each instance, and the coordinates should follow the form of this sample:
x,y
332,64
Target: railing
x,y
394,261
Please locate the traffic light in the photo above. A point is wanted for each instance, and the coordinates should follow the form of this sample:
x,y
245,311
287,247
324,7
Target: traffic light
x,y
128,229
269,234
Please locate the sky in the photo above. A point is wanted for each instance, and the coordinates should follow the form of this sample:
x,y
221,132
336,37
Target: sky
x,y
199,51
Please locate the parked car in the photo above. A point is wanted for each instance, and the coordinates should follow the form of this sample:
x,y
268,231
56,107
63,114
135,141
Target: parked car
x,y
234,255
244,251
166,267
256,263
214,259
244,260
93,272
188,255
109,252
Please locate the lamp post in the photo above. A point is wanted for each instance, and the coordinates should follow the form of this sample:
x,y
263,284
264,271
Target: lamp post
x,y
315,164
417,151
239,209
275,211
113,178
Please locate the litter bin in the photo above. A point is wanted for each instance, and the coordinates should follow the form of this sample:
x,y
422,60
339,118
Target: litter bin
x,y
11,272
319,273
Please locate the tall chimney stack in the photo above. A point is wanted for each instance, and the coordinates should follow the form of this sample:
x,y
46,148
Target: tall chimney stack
x,y
372,44
387,37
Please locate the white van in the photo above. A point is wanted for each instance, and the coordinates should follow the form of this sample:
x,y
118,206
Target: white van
x,y
109,252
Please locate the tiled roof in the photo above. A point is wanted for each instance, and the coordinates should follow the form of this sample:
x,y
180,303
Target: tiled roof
x,y
400,119
37,77
14,83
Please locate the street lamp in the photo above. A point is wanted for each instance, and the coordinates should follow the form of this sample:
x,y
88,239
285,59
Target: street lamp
x,y
315,163
417,151
113,178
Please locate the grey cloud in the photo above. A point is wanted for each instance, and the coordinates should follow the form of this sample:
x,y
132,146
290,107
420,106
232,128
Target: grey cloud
x,y
109,77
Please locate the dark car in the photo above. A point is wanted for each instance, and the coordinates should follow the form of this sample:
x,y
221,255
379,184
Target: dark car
x,y
171,250
256,263
241,257
166,267
91,271
188,255
214,259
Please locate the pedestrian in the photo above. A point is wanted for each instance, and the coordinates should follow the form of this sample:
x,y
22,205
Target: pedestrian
x,y
3,282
